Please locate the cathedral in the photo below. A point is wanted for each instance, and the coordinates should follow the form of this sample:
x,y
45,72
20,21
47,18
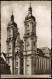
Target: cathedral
x,y
24,57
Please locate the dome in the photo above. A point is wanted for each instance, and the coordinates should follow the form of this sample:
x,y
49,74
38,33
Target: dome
x,y
29,17
12,23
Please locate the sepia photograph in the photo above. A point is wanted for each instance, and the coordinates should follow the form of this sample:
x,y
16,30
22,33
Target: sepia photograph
x,y
25,39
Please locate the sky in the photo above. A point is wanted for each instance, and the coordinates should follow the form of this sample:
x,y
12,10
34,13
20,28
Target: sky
x,y
42,13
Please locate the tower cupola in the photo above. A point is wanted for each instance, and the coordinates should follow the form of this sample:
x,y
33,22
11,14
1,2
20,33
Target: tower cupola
x,y
12,21
12,17
30,10
30,16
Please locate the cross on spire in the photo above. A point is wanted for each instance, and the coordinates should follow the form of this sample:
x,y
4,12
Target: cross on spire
x,y
12,16
12,12
30,9
30,4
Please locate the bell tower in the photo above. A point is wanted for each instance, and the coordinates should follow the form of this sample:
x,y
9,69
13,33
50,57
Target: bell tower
x,y
30,43
11,37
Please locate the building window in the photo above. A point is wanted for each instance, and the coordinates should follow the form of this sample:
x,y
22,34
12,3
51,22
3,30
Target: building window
x,y
16,71
33,26
21,64
27,27
34,43
16,58
9,46
27,65
27,62
9,33
16,63
27,43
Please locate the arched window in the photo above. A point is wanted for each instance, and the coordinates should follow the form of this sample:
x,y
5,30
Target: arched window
x,y
27,43
27,27
16,63
16,71
9,33
9,46
16,57
34,43
33,26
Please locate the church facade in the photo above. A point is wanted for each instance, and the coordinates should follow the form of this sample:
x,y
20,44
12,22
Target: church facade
x,y
24,57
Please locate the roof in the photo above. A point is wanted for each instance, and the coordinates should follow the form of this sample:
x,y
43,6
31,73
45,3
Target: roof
x,y
42,53
30,13
2,61
29,17
12,23
46,50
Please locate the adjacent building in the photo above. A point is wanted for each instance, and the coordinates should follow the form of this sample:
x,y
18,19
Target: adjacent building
x,y
43,61
4,67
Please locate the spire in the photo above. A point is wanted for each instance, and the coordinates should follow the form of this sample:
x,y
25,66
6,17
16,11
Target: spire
x,y
30,13
30,9
30,4
12,17
12,12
